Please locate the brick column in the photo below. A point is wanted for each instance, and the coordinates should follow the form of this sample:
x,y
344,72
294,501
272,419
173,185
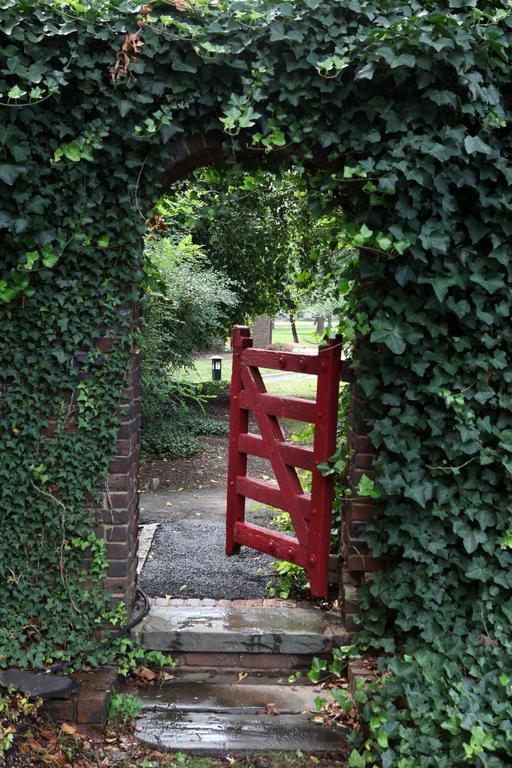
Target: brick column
x,y
117,519
357,560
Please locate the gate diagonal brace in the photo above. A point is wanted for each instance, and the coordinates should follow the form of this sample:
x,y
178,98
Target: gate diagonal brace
x,y
272,434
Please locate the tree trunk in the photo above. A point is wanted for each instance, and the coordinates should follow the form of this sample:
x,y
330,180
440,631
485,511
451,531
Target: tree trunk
x,y
294,328
320,324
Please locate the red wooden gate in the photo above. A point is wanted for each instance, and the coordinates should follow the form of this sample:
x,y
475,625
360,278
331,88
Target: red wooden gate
x,y
311,515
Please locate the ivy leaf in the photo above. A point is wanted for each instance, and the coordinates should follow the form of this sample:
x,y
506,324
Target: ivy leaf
x,y
441,286
365,72
72,152
478,570
421,493
16,93
474,144
368,488
9,173
388,333
50,258
433,238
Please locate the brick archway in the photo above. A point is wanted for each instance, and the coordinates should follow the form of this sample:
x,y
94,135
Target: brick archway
x,y
117,516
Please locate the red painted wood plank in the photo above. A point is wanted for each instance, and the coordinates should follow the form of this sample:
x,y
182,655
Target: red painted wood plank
x,y
275,544
239,423
264,493
281,361
271,432
294,455
322,488
283,407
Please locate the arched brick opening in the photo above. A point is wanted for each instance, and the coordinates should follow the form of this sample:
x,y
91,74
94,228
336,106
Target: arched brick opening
x,y
118,514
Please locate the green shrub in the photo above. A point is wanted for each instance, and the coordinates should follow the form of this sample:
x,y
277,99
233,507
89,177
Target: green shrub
x,y
123,707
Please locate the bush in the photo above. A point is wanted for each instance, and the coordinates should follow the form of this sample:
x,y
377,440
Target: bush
x,y
173,419
184,318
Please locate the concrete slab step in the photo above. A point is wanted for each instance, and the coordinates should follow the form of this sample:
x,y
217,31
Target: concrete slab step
x,y
231,696
235,629
221,734
235,718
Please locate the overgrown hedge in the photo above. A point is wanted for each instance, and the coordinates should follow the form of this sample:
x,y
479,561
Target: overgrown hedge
x,y
409,102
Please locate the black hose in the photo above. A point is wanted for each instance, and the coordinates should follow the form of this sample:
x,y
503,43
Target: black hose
x,y
109,641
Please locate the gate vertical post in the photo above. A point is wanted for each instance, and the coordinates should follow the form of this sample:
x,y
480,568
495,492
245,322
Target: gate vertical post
x,y
322,488
239,422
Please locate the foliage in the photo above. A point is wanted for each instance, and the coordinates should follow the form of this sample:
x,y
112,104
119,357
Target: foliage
x,y
403,108
174,417
183,318
270,232
131,656
189,312
14,707
123,707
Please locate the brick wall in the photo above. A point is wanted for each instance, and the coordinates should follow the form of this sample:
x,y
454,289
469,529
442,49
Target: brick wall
x,y
356,557
117,514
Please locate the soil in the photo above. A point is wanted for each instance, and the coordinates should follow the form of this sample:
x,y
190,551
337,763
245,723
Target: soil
x,y
209,467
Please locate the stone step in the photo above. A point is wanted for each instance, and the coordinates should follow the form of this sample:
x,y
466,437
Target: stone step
x,y
226,628
235,717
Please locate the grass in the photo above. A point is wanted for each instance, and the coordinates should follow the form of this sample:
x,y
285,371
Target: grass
x,y
303,387
299,387
282,333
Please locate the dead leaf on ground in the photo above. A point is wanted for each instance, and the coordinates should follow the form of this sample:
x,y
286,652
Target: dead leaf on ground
x,y
144,673
69,729
271,709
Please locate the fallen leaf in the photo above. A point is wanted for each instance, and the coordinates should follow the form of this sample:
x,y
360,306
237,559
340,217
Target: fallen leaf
x,y
242,675
271,709
145,674
68,728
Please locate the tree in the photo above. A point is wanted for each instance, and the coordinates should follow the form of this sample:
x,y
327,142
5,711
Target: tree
x,y
183,318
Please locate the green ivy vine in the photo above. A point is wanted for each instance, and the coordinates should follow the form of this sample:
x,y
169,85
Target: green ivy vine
x,y
403,110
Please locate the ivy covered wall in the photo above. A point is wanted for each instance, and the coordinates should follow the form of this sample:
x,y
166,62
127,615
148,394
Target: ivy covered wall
x,y
408,105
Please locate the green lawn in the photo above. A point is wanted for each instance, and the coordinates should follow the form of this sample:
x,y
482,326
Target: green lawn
x,y
300,387
282,333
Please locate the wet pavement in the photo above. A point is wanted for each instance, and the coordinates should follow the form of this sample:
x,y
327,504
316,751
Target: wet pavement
x,y
235,718
187,555
273,628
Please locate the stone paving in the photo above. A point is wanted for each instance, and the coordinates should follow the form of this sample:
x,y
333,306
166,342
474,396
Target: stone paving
x,y
212,614
233,717
196,627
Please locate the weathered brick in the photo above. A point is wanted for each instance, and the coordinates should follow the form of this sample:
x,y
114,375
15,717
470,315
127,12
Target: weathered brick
x,y
116,532
60,710
359,511
364,460
118,550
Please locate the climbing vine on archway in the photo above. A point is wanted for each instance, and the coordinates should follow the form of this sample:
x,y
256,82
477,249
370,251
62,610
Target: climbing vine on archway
x,y
404,109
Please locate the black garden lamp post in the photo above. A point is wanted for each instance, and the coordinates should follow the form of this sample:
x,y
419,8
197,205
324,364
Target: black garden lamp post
x,y
216,368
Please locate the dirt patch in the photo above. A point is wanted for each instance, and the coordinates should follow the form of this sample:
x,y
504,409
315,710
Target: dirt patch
x,y
207,467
